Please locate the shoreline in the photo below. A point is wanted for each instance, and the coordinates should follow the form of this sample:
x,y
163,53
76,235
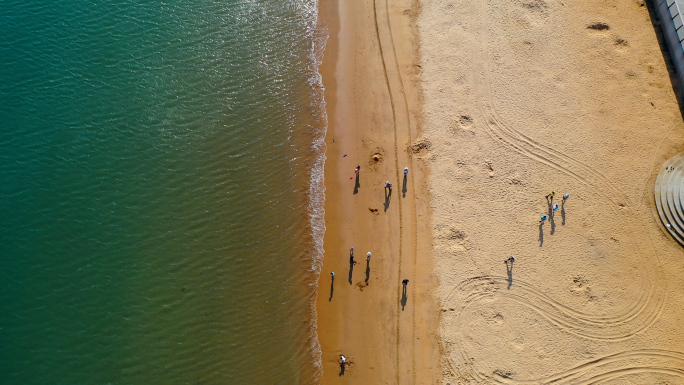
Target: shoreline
x,y
373,107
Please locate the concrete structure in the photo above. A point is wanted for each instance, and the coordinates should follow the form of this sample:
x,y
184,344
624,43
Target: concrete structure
x,y
671,22
669,197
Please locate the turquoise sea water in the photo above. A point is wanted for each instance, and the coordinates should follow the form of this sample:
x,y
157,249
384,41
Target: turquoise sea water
x,y
160,192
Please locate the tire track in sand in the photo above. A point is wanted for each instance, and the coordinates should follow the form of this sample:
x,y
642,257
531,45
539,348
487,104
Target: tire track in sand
x,y
414,236
522,143
620,325
605,327
650,299
402,127
608,368
396,166
599,370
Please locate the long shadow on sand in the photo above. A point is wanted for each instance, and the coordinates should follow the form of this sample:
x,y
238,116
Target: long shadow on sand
x,y
388,196
403,188
552,221
404,298
367,271
541,234
357,184
563,213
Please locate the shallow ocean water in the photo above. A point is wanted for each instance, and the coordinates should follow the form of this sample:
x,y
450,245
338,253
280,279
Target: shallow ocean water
x,y
160,192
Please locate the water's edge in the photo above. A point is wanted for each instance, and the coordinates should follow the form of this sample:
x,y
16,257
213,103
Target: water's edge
x,y
316,205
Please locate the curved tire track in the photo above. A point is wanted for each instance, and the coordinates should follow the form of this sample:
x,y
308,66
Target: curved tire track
x,y
609,368
522,143
609,327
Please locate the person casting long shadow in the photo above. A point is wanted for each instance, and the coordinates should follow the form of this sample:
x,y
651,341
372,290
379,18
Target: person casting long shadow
x,y
332,286
388,194
404,297
509,270
352,262
541,233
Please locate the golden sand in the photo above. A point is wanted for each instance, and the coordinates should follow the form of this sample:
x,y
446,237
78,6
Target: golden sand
x,y
493,105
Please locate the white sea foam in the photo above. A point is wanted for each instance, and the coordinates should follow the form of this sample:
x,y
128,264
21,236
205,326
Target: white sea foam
x,y
318,34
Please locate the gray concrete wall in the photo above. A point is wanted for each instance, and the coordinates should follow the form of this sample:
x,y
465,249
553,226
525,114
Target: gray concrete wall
x,y
672,23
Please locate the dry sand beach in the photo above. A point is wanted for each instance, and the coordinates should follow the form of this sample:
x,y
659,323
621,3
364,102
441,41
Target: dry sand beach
x,y
493,105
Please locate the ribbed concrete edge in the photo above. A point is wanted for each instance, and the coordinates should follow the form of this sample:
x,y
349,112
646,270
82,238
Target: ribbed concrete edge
x,y
668,191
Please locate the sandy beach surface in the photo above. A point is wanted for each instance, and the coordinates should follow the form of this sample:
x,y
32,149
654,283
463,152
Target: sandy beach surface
x,y
493,105
369,71
526,97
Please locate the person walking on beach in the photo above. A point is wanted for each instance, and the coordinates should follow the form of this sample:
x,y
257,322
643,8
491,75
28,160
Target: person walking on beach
x,y
551,195
555,207
509,270
388,194
343,364
351,252
332,275
405,171
368,256
565,197
357,184
404,297
543,218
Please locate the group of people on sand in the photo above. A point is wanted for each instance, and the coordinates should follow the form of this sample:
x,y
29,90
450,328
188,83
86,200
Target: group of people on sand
x,y
554,206
352,261
388,185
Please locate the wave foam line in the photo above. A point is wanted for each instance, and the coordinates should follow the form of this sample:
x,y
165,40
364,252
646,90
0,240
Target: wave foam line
x,y
318,33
